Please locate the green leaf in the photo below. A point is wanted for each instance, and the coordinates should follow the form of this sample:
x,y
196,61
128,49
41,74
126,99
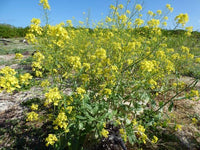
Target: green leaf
x,y
128,121
80,117
81,126
89,117
88,107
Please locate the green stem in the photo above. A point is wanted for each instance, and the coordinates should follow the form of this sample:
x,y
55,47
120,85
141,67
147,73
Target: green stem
x,y
190,85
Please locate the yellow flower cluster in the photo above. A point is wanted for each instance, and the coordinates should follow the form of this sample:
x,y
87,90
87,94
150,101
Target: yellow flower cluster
x,y
153,23
36,21
197,60
123,134
138,7
147,65
80,90
51,139
18,56
69,23
194,94
168,6
154,140
8,81
35,26
31,38
178,127
24,79
34,31
141,133
37,64
189,30
52,96
120,6
159,12
34,107
139,22
32,116
104,133
140,130
150,13
182,19
152,83
45,83
194,121
45,4
61,121
75,62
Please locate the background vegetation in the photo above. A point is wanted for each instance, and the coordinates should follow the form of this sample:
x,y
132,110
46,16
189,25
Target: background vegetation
x,y
9,31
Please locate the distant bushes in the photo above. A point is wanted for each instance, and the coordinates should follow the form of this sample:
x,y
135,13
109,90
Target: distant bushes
x,y
9,31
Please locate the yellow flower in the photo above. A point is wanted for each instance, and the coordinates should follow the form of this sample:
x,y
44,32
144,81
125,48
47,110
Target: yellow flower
x,y
31,38
138,7
61,121
194,93
38,73
35,21
107,91
81,22
147,65
80,90
8,81
194,120
101,53
168,6
75,62
45,83
86,66
38,56
164,23
189,29
51,139
141,128
165,18
123,134
154,140
128,11
120,6
153,23
32,116
182,19
108,19
159,12
134,122
112,7
18,56
152,83
45,4
24,79
34,107
143,137
104,133
139,21
150,13
197,60
69,23
178,127
52,96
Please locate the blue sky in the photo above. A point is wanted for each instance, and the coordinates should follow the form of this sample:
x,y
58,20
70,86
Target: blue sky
x,y
20,12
